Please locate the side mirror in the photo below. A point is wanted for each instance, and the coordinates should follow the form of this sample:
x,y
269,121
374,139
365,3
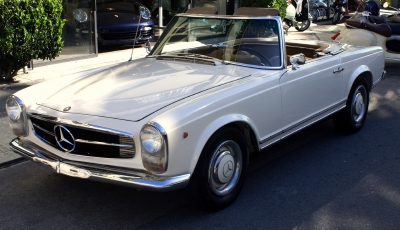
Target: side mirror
x,y
148,46
296,60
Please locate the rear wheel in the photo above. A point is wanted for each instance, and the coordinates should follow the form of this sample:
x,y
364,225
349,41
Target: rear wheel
x,y
352,118
302,26
221,170
336,18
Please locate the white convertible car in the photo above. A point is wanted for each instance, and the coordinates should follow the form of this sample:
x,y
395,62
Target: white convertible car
x,y
213,90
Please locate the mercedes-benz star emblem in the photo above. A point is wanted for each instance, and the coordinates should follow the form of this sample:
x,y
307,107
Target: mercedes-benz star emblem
x,y
64,138
228,167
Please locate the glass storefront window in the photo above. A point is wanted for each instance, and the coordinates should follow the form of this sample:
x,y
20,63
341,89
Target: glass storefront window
x,y
78,32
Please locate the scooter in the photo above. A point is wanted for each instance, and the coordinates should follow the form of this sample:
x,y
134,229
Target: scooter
x,y
344,8
368,30
290,20
320,9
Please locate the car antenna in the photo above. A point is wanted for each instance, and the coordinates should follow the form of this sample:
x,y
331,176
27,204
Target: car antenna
x,y
134,41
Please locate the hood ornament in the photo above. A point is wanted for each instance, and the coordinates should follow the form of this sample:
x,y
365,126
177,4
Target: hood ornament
x,y
66,109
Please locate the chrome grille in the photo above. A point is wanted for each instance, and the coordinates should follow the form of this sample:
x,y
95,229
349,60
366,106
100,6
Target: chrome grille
x,y
89,140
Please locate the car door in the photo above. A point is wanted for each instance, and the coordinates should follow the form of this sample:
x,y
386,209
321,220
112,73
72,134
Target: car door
x,y
311,91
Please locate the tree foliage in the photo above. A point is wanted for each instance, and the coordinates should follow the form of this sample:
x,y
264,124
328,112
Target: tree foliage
x,y
29,29
278,4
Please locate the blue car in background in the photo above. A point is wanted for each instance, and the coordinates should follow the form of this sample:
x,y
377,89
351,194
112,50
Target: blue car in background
x,y
118,22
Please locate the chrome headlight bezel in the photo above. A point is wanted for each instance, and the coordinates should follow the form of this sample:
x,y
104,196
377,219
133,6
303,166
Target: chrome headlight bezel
x,y
80,15
154,147
16,112
144,12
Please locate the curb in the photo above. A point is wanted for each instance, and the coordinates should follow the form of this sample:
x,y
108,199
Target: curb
x,y
12,162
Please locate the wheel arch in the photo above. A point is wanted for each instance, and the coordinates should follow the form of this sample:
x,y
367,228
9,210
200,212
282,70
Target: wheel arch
x,y
361,71
243,123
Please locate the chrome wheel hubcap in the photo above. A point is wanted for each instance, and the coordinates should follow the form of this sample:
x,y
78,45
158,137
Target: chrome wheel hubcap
x,y
225,168
358,108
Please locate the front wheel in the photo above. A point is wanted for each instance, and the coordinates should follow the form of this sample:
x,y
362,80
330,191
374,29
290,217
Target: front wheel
x,y
302,26
352,118
336,18
221,170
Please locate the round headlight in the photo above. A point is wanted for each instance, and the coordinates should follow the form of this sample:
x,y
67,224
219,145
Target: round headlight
x,y
13,108
144,12
151,139
80,15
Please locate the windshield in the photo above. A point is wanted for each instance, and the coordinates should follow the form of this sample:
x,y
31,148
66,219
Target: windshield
x,y
246,41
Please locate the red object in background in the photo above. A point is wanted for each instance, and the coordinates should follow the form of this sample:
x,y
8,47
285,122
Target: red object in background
x,y
335,36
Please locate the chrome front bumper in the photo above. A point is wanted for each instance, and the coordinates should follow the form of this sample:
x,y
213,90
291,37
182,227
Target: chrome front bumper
x,y
103,173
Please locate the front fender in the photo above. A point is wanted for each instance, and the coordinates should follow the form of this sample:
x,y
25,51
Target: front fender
x,y
363,69
213,127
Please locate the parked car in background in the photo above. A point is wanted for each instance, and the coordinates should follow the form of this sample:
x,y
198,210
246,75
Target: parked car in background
x,y
214,89
118,22
365,28
171,8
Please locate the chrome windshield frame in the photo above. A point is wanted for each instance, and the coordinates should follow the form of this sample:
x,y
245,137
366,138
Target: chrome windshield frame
x,y
281,38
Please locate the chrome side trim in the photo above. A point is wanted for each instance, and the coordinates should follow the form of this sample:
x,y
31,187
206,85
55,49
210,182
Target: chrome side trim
x,y
379,79
343,102
103,173
335,108
57,120
270,137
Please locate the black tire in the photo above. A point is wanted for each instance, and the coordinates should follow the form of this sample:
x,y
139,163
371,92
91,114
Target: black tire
x,y
352,118
336,18
214,188
303,25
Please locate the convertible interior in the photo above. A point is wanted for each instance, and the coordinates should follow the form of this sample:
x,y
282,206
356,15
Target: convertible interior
x,y
261,51
256,43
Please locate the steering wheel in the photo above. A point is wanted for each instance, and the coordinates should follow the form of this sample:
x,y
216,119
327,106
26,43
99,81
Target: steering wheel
x,y
257,53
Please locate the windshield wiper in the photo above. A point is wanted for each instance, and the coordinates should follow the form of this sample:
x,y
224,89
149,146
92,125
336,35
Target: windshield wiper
x,y
196,56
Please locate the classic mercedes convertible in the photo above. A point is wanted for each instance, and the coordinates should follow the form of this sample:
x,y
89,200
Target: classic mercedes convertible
x,y
213,89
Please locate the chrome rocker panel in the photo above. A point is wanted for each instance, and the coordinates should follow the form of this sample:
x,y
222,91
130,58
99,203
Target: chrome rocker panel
x,y
103,173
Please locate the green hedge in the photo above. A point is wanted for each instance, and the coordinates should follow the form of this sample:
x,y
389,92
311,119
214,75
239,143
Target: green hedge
x,y
278,4
29,29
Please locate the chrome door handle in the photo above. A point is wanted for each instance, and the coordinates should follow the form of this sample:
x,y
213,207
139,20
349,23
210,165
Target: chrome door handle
x,y
339,69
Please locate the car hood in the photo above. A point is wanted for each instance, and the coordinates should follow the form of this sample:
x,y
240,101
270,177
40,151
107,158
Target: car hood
x,y
108,20
134,90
